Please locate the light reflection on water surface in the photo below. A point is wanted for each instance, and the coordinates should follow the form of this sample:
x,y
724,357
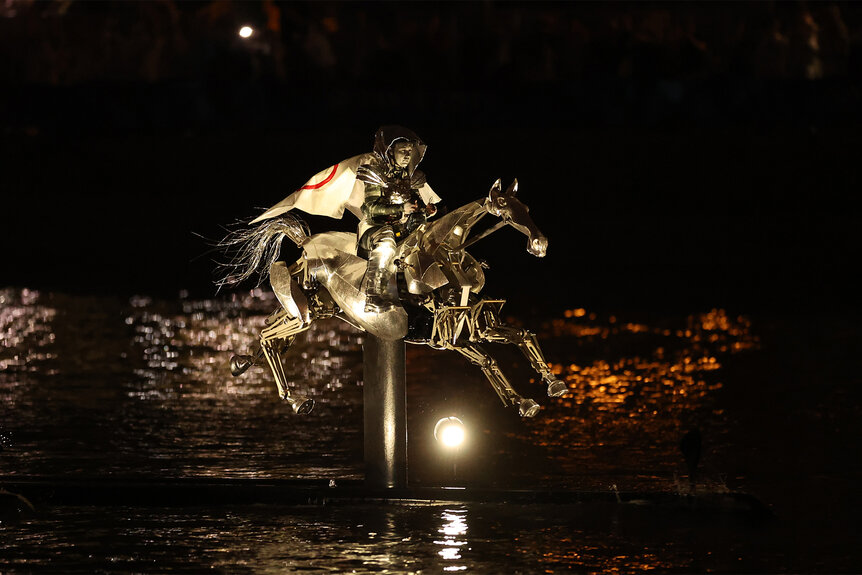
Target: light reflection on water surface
x,y
416,538
146,387
636,389
99,386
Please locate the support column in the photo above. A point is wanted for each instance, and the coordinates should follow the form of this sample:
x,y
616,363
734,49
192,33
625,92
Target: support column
x,y
385,412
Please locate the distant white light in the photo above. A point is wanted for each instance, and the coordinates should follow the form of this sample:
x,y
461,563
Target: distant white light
x,y
450,432
246,31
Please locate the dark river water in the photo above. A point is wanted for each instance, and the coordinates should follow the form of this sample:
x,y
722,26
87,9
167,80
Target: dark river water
x,y
96,387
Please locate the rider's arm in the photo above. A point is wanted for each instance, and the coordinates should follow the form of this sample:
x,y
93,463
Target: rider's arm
x,y
377,208
429,201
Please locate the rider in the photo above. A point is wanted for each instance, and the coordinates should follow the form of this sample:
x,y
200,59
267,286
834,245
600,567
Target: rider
x,y
397,200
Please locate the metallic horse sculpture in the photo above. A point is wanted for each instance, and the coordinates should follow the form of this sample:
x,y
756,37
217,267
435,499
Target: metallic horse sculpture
x,y
437,284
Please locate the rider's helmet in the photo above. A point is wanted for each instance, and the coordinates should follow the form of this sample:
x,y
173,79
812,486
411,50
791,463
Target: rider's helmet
x,y
399,147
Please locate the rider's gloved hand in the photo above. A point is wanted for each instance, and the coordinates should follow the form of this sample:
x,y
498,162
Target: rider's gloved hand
x,y
410,207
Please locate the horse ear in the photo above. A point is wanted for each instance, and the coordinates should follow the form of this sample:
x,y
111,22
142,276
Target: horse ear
x,y
496,188
513,188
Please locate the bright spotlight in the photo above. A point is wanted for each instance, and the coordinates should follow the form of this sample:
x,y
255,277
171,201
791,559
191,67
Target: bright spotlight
x,y
450,432
246,31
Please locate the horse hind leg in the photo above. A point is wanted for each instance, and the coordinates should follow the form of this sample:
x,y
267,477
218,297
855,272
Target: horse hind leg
x,y
240,363
272,350
274,340
529,346
477,356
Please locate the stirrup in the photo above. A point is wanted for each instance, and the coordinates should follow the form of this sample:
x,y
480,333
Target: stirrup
x,y
377,303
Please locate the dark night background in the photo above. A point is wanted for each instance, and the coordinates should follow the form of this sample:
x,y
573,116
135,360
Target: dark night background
x,y
680,156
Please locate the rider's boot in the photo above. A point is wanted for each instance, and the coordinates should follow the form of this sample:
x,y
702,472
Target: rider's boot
x,y
377,298
378,273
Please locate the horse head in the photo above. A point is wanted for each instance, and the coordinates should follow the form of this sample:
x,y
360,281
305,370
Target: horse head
x,y
515,213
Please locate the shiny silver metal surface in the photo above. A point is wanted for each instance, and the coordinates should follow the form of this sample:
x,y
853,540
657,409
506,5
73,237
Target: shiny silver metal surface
x,y
440,279
385,412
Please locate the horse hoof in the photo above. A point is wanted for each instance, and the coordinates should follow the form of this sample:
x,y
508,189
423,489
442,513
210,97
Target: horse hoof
x,y
528,408
557,388
240,363
301,405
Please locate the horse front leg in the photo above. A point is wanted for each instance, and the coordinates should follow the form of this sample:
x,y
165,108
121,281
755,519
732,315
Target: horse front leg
x,y
477,356
529,346
274,341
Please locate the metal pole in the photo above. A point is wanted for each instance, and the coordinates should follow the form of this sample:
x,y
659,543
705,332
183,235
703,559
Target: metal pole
x,y
385,412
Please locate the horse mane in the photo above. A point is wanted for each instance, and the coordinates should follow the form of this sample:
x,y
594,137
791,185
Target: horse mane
x,y
466,213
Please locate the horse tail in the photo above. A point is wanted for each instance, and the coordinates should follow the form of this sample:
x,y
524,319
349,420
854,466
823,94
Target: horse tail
x,y
251,251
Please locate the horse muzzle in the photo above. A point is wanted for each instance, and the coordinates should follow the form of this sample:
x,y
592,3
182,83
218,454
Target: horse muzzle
x,y
538,246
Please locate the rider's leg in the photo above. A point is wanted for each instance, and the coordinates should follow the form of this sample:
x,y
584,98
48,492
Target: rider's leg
x,y
477,356
379,269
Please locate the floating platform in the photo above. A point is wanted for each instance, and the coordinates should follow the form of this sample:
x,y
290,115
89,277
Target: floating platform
x,y
42,492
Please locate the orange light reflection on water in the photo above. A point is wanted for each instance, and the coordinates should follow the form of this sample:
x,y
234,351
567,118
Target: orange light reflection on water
x,y
648,384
